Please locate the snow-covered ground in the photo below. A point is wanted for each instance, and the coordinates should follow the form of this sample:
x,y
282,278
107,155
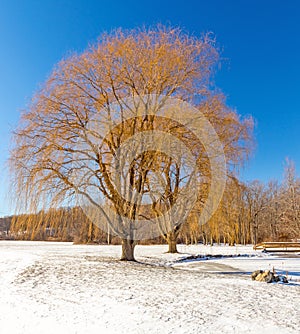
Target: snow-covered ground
x,y
65,288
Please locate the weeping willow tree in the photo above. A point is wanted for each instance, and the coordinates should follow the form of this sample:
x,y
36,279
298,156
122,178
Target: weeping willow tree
x,y
60,154
63,224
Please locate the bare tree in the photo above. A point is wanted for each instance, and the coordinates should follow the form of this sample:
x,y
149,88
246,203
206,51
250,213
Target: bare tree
x,y
257,203
68,142
289,200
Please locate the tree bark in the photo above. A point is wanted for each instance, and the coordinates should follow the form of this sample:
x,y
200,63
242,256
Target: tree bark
x,y
128,250
172,242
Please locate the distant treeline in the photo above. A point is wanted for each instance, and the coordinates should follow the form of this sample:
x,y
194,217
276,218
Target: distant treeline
x,y
248,213
62,224
5,224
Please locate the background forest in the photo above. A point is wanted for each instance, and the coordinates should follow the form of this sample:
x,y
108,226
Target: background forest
x,y
248,213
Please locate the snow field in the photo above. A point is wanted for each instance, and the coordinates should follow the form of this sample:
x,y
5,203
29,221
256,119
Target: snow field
x,y
65,288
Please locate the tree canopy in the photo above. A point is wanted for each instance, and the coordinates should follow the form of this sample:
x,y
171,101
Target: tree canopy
x,y
69,139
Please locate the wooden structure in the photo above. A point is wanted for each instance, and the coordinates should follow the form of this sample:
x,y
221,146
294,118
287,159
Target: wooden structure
x,y
278,246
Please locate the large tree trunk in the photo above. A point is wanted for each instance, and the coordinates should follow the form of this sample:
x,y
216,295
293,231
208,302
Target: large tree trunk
x,y
128,250
171,238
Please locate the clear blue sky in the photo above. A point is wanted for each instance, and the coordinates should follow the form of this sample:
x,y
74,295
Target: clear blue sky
x,y
259,39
